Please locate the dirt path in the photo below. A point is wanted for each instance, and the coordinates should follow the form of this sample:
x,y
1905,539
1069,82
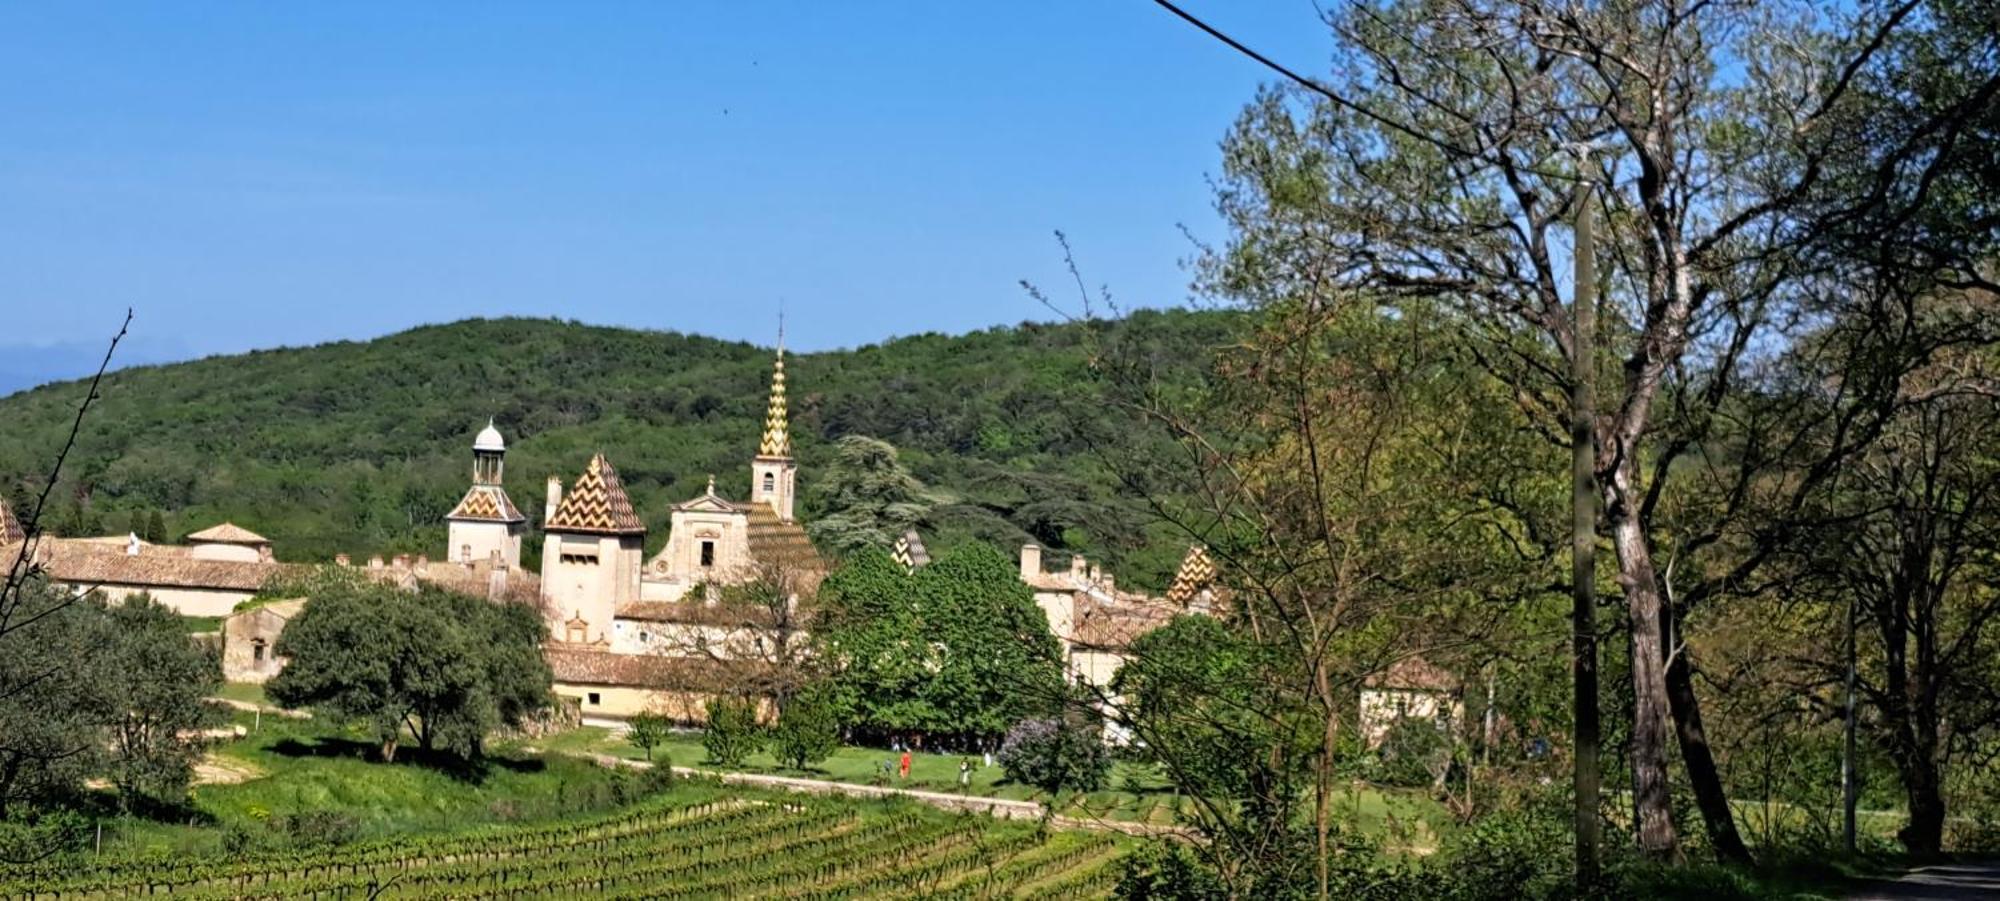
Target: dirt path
x,y
1002,808
1937,882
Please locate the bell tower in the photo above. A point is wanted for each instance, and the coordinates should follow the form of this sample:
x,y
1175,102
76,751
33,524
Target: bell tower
x,y
485,527
773,471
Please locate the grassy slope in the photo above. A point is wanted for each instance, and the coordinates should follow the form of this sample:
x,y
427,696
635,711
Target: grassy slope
x,y
362,446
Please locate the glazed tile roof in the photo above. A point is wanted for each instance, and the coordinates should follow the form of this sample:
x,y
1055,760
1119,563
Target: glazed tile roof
x,y
596,503
228,533
1196,573
583,665
910,551
777,440
10,528
486,503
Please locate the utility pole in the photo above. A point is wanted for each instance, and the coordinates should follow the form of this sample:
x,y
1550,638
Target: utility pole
x,y
1583,542
1850,787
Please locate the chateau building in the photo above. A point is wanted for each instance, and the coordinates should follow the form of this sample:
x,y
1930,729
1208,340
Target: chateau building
x,y
629,634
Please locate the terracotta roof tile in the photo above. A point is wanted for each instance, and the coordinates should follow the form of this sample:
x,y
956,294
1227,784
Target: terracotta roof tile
x,y
1116,624
596,503
228,533
86,564
486,503
586,666
1414,674
775,542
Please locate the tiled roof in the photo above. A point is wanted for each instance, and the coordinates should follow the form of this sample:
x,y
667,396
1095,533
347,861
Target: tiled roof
x,y
910,551
228,533
1196,573
596,503
775,542
86,564
777,440
10,528
697,613
486,503
1413,674
586,666
1116,624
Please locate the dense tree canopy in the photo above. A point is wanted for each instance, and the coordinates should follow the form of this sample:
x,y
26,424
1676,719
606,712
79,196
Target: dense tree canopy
x,y
443,667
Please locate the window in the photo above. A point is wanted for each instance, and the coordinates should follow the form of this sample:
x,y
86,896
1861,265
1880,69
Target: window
x,y
593,699
257,650
770,482
707,553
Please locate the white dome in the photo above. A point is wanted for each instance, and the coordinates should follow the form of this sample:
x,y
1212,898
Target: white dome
x,y
489,439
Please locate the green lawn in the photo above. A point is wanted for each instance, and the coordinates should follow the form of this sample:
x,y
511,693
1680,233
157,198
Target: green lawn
x,y
247,692
194,624
299,766
1134,792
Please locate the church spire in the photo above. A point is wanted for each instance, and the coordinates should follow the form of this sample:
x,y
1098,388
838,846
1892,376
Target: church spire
x,y
777,440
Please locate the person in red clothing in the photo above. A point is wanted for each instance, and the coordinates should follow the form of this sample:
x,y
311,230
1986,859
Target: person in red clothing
x,y
903,769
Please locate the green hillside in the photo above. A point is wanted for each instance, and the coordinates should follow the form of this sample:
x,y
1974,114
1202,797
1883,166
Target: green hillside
x,y
364,446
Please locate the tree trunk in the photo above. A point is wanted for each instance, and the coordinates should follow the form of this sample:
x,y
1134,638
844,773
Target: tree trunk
x,y
1703,776
1651,801
1924,834
388,750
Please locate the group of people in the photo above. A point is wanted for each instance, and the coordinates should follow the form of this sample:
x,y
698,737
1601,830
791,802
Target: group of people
x,y
901,765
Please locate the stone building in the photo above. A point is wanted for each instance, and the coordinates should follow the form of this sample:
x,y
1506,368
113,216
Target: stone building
x,y
250,640
219,568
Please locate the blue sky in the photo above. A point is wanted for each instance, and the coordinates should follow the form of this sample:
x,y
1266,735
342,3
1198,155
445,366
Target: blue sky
x,y
252,175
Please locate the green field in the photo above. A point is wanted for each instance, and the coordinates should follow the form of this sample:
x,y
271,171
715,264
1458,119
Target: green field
x,y
697,840
1133,793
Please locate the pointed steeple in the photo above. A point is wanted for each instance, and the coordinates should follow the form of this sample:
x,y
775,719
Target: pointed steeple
x,y
777,431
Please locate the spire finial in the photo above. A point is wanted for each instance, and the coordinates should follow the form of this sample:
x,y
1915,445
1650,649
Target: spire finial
x,y
711,483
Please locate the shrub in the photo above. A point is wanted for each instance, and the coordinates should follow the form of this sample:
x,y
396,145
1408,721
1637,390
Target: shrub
x,y
1055,755
733,731
807,731
1413,753
319,828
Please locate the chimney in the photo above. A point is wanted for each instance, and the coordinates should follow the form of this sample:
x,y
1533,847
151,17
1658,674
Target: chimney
x,y
1077,565
342,560
493,559
1031,561
555,499
375,562
263,553
131,544
402,561
423,561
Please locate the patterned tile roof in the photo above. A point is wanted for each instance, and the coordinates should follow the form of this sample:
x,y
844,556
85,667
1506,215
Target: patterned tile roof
x,y
1196,573
777,441
910,551
596,503
228,533
486,503
10,528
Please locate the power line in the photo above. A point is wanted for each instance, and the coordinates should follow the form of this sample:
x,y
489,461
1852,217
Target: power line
x,y
1240,47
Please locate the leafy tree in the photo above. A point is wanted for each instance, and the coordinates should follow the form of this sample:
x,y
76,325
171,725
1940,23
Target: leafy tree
x,y
156,528
868,499
445,667
733,733
156,682
872,638
807,731
51,708
988,646
646,731
1056,754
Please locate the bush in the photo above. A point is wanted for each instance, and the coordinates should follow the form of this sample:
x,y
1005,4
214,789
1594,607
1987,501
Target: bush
x,y
319,828
733,731
1413,753
807,731
1056,755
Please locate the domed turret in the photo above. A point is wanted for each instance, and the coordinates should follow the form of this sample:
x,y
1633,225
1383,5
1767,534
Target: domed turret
x,y
489,439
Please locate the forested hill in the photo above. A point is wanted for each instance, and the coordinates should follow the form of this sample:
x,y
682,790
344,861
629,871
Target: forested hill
x,y
365,446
